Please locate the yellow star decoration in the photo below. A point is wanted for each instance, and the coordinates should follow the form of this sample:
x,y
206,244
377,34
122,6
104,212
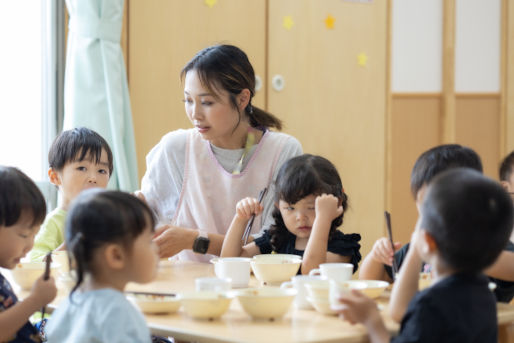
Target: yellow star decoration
x,y
362,59
211,3
288,22
329,22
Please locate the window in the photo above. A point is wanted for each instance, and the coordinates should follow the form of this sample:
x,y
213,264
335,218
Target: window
x,y
30,86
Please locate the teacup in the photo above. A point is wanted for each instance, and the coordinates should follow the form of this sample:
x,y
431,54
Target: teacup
x,y
213,284
235,268
298,282
334,271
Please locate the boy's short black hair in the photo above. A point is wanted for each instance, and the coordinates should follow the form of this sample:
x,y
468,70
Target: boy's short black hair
x,y
441,158
470,218
19,195
77,144
506,167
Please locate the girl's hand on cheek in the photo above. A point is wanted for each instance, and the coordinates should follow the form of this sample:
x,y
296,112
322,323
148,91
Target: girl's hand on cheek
x,y
247,207
328,206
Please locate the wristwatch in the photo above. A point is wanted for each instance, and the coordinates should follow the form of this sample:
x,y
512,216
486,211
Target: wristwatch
x,y
201,243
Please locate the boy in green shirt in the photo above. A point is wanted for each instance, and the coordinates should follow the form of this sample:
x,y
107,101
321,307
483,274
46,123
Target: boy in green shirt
x,y
79,159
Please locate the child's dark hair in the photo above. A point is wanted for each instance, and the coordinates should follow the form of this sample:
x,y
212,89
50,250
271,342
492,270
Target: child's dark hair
x,y
98,217
470,218
299,177
227,67
441,158
19,196
77,144
506,167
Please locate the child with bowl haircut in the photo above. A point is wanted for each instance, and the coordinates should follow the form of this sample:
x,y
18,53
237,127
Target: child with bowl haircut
x,y
465,222
22,210
79,159
377,264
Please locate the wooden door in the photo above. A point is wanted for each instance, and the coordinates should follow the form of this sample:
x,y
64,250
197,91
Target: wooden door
x,y
334,94
163,37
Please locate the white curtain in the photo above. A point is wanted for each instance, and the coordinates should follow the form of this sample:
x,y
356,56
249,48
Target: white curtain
x,y
95,86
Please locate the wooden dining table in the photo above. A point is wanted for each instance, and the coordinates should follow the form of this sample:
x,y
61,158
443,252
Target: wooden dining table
x,y
237,326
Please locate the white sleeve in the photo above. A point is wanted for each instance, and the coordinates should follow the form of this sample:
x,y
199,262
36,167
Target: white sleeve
x,y
291,148
162,182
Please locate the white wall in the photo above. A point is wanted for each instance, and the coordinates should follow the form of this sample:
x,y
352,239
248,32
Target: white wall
x,y
416,46
477,45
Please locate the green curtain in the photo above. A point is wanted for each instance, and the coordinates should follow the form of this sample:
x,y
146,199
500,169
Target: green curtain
x,y
95,85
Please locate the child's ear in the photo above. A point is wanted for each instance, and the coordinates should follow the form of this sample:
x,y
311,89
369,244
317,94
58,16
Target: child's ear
x,y
54,177
276,205
114,256
428,244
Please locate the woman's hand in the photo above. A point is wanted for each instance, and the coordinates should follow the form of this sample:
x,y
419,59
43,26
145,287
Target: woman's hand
x,y
327,206
247,207
171,240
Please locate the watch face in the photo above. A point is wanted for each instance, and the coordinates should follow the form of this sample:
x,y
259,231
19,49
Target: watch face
x,y
201,245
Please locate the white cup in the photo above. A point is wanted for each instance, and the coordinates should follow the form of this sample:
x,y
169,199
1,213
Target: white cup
x,y
212,284
298,282
334,271
235,268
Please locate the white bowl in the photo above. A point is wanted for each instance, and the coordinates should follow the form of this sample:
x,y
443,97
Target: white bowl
x,y
205,304
155,303
321,305
266,302
26,273
374,288
275,268
318,288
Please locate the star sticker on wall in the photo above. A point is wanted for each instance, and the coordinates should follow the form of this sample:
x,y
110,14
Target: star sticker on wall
x,y
329,22
362,59
211,3
288,22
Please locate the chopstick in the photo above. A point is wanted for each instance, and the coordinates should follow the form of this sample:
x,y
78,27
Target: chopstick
x,y
250,223
46,275
390,234
152,293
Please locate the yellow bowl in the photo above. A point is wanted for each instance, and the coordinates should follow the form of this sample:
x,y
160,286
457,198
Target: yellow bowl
x,y
26,273
318,288
425,280
275,268
374,288
155,303
205,304
266,302
321,305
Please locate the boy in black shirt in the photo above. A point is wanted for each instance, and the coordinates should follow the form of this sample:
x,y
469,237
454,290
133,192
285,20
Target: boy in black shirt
x,y
465,222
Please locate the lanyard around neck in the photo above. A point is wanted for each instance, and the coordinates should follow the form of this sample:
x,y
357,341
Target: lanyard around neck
x,y
250,139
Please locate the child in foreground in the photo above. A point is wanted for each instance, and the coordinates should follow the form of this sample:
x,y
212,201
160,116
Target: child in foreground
x,y
309,207
22,210
79,159
465,222
109,235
